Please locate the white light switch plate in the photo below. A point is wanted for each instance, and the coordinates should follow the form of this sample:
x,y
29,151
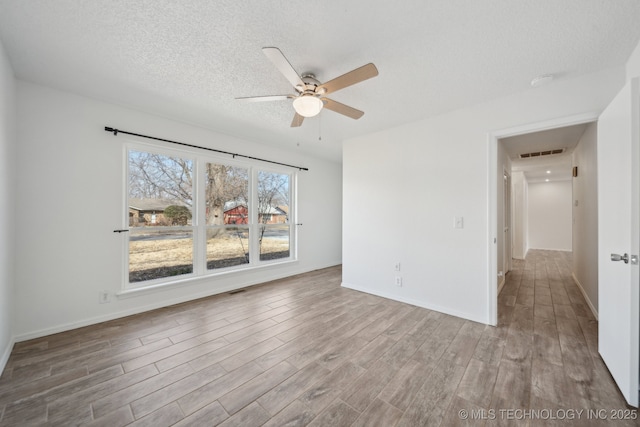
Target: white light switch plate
x,y
458,222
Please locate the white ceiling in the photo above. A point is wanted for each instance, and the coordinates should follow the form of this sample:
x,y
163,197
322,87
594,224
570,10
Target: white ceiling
x,y
189,59
554,167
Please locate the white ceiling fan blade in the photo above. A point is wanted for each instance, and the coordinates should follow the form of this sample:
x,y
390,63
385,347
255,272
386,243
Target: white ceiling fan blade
x,y
265,98
281,63
297,121
352,77
345,110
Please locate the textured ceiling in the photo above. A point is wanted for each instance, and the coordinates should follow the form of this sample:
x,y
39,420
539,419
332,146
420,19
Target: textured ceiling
x,y
190,59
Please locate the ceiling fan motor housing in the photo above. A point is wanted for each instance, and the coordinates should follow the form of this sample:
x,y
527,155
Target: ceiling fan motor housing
x,y
310,85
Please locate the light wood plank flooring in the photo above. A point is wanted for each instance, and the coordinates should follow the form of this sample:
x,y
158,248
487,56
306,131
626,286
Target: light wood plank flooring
x,y
304,351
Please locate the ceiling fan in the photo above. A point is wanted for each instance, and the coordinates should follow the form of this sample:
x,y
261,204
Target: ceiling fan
x,y
310,98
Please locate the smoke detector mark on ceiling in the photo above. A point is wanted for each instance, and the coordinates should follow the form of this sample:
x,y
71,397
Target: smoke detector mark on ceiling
x,y
541,153
541,80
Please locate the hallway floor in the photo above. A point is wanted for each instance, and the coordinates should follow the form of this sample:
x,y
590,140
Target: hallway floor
x,y
551,343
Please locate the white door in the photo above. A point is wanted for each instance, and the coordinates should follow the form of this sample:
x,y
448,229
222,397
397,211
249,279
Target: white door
x,y
619,233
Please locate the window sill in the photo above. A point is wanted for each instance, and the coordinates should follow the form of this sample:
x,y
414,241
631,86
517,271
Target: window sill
x,y
143,290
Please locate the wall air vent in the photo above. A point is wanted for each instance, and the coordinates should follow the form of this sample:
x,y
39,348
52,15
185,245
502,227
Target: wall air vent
x,y
541,153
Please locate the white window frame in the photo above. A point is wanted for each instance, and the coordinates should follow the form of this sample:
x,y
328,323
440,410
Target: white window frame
x,y
198,224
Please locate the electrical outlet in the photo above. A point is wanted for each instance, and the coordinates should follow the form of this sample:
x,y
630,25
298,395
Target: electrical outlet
x,y
104,297
458,222
398,281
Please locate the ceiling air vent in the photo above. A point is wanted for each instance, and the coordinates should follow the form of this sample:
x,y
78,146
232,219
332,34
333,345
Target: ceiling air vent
x,y
541,153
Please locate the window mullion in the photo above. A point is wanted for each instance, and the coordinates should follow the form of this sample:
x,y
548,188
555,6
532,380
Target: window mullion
x,y
199,223
254,253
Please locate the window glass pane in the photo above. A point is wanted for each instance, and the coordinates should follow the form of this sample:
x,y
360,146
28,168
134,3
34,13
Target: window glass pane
x,y
273,215
227,194
274,242
227,246
273,198
227,203
160,190
160,196
157,253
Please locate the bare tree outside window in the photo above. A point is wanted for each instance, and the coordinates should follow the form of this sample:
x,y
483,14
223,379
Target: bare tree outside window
x,y
160,203
154,176
163,220
273,215
227,215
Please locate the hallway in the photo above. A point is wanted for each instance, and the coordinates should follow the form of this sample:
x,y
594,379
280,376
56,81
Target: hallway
x,y
551,341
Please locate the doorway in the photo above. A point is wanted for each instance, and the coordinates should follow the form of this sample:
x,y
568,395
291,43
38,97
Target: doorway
x,y
499,162
616,303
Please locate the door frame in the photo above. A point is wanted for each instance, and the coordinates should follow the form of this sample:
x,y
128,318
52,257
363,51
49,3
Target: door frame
x,y
507,219
493,208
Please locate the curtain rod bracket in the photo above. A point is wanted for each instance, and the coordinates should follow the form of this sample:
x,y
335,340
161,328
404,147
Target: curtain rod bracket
x,y
109,129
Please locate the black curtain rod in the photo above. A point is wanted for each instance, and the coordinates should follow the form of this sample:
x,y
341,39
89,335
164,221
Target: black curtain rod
x,y
117,131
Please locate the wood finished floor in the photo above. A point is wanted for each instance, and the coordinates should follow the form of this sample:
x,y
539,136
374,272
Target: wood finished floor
x,y
304,351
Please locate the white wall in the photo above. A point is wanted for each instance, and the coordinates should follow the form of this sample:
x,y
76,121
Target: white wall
x,y
585,216
402,188
550,215
633,64
70,199
520,202
7,204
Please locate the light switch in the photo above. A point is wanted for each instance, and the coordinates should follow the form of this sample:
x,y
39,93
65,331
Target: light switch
x,y
458,222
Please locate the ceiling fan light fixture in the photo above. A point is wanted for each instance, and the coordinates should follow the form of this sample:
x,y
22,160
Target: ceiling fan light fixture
x,y
307,105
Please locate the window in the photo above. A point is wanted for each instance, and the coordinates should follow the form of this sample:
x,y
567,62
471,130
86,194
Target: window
x,y
191,215
227,200
160,245
274,229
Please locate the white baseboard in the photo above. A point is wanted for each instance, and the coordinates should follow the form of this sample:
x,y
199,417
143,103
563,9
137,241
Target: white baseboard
x,y
6,353
416,303
586,297
501,284
523,257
